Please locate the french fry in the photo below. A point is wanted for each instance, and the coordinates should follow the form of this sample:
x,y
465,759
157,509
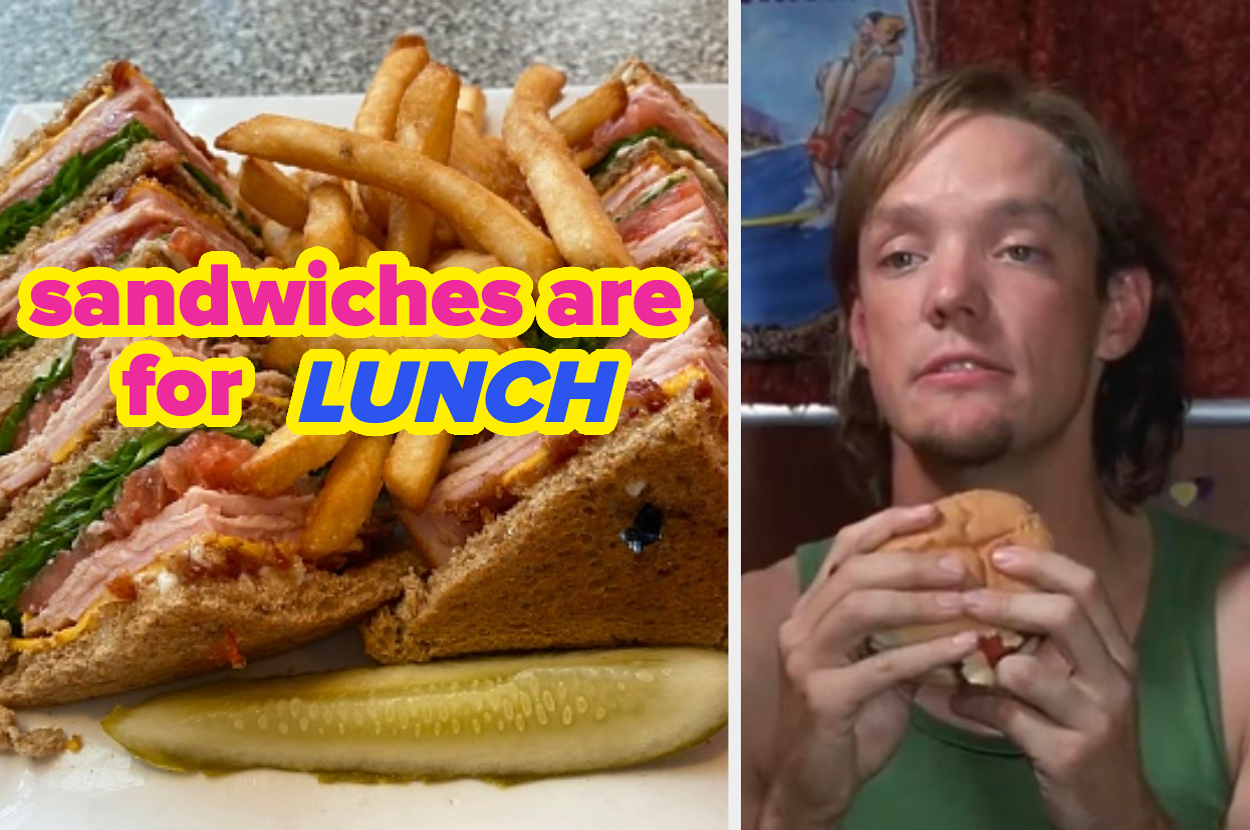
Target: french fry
x,y
284,458
492,221
362,224
425,123
484,162
445,236
329,222
579,122
473,101
578,224
347,496
585,159
378,110
283,242
273,193
462,258
413,465
364,249
284,353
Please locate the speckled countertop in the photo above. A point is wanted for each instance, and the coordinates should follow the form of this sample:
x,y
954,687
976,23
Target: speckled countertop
x,y
293,47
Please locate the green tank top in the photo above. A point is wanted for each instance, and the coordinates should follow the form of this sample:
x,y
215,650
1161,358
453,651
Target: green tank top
x,y
943,777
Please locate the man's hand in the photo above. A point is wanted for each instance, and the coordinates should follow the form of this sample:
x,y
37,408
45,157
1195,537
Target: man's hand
x,y
1075,717
841,718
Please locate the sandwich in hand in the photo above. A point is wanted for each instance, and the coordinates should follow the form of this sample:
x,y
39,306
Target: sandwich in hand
x,y
973,525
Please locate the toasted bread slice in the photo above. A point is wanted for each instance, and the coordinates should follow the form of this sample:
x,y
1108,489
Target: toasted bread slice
x,y
195,627
34,144
554,572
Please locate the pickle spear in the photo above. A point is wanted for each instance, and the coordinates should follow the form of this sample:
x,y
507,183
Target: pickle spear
x,y
496,718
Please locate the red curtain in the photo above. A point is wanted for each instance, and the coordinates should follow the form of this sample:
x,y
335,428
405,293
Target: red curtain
x,y
1171,80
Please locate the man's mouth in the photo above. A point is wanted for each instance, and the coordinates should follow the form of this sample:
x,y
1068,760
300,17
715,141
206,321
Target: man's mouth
x,y
960,364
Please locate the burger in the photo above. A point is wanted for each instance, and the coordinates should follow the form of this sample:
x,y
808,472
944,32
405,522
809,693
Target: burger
x,y
973,525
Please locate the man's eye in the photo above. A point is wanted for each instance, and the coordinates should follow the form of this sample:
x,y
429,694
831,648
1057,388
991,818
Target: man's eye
x,y
1022,253
900,260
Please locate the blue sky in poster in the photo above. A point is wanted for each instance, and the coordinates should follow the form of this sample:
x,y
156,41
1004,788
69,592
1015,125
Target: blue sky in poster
x,y
785,44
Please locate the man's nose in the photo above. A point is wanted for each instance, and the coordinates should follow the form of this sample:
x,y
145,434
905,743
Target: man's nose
x,y
956,289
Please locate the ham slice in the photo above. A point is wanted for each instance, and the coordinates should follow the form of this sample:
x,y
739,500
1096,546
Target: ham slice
x,y
147,211
205,459
132,97
198,513
678,229
667,212
652,106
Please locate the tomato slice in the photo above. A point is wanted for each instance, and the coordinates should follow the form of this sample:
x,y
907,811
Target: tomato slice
x,y
993,648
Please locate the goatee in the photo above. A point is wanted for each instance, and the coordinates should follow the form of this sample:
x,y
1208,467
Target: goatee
x,y
970,449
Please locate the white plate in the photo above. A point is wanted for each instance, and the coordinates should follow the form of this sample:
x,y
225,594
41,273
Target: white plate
x,y
103,787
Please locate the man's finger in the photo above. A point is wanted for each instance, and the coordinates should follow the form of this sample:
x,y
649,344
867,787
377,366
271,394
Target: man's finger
x,y
870,534
894,570
867,612
850,686
1049,692
1028,728
1059,574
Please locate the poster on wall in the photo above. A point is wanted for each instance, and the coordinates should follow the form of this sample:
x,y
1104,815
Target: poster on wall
x,y
814,76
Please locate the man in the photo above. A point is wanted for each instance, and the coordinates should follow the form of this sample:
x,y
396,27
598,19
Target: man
x,y
852,88
1010,324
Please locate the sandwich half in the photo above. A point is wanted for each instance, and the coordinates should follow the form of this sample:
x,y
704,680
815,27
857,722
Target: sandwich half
x,y
129,556
139,561
555,542
661,172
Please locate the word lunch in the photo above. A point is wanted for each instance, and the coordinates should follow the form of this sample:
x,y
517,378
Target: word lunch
x,y
373,392
426,391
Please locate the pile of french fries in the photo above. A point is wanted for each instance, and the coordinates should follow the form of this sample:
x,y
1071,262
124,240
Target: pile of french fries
x,y
418,174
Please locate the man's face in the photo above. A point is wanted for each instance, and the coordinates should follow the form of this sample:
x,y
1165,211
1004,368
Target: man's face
x,y
978,319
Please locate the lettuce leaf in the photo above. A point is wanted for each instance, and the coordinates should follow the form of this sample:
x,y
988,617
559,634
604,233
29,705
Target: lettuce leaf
x,y
14,340
75,175
213,189
536,338
621,144
711,285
